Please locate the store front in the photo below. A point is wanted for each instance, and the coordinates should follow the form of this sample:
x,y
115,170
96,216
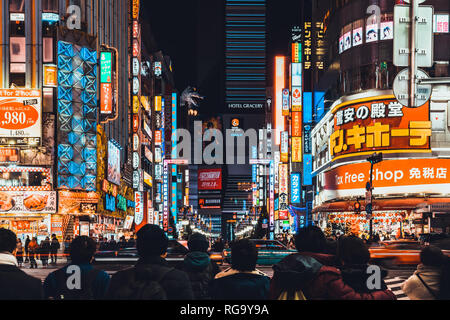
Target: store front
x,y
26,201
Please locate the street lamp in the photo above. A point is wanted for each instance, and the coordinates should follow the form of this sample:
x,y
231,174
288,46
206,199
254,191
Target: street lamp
x,y
373,159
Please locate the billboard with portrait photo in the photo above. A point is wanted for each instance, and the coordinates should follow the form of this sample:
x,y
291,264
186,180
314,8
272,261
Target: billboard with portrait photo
x,y
113,162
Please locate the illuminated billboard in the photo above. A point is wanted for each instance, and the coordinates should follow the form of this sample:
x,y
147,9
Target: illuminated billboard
x,y
377,124
279,86
390,177
113,162
210,179
20,117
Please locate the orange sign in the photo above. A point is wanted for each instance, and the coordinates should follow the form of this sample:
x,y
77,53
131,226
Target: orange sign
x,y
106,98
136,7
296,124
50,76
390,177
158,137
20,114
379,124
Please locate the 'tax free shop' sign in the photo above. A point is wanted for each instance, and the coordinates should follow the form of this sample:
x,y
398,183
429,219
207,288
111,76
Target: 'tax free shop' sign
x,y
429,176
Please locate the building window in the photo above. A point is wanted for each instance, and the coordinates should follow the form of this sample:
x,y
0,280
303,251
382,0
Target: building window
x,y
50,6
16,5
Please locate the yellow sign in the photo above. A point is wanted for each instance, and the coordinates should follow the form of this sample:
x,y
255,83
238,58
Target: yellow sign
x,y
135,104
158,103
50,75
136,7
297,149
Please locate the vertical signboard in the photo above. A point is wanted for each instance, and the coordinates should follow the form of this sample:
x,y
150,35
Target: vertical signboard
x,y
295,188
279,86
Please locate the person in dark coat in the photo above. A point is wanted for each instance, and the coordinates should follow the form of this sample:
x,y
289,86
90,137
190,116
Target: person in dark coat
x,y
151,278
199,267
242,281
354,256
44,251
314,273
14,283
94,282
27,242
54,247
131,243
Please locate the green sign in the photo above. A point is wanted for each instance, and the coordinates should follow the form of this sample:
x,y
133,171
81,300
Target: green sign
x,y
105,67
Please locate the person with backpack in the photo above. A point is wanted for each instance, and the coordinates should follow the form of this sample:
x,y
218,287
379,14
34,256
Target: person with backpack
x,y
151,278
312,275
54,247
242,281
85,283
200,269
431,280
14,283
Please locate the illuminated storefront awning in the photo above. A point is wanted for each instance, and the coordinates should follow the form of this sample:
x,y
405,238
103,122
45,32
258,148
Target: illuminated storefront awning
x,y
379,205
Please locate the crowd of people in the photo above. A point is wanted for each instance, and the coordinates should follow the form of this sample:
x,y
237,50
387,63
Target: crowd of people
x,y
317,271
31,251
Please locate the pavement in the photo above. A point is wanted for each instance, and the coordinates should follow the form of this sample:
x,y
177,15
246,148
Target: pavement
x,y
394,280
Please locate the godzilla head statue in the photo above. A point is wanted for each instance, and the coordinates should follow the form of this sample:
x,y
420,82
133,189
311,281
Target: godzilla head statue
x,y
189,96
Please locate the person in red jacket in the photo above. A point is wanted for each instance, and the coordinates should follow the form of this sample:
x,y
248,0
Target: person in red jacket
x,y
315,273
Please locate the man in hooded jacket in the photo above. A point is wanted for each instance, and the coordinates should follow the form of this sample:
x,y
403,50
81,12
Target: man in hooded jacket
x,y
200,269
315,274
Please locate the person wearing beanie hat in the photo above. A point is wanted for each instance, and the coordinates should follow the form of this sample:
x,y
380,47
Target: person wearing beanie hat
x,y
151,278
200,269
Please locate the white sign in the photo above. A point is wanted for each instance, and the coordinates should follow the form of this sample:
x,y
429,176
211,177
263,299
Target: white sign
x,y
20,114
38,202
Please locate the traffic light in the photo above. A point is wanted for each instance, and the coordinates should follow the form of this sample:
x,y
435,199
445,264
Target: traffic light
x,y
375,158
357,207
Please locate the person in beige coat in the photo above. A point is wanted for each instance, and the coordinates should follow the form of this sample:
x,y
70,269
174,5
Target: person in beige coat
x,y
425,283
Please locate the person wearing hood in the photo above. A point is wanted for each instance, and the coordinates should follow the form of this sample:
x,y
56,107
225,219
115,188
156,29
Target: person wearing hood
x,y
354,256
431,279
14,283
242,281
314,273
151,278
200,269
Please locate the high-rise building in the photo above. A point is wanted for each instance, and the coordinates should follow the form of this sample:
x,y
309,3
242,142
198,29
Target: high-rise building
x,y
245,55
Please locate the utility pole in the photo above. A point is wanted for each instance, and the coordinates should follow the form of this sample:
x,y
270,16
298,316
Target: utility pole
x,y
412,54
375,158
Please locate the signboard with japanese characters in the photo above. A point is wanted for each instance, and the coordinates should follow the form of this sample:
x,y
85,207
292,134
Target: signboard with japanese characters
x,y
377,124
43,202
421,176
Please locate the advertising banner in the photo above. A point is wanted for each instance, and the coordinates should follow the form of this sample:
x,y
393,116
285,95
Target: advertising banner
x,y
295,188
113,163
296,99
379,124
297,149
43,202
420,176
20,116
210,179
283,188
139,211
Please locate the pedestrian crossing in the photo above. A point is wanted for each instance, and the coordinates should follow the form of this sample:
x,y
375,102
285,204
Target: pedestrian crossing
x,y
395,285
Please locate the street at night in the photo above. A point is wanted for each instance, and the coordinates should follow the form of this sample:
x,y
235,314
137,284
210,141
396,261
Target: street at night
x,y
225,156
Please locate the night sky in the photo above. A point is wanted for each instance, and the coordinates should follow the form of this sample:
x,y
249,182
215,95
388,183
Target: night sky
x,y
192,34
